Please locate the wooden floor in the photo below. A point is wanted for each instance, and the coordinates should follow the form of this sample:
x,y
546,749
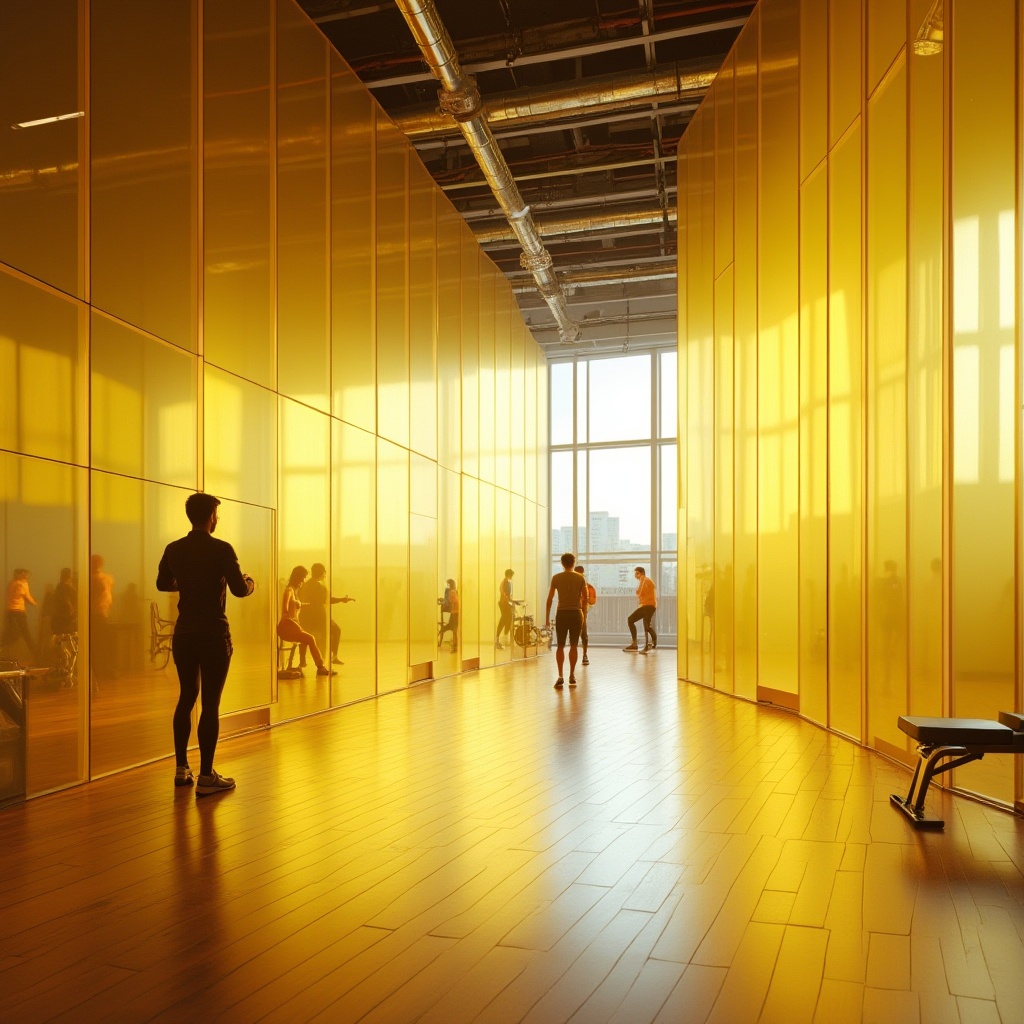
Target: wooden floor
x,y
489,849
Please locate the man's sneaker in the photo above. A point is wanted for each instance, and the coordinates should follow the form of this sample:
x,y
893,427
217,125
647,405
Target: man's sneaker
x,y
572,680
183,776
631,647
215,783
325,671
497,646
559,683
585,661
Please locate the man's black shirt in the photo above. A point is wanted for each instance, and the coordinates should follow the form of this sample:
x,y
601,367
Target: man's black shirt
x,y
201,568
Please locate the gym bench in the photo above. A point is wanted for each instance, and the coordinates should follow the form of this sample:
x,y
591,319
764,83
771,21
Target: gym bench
x,y
962,740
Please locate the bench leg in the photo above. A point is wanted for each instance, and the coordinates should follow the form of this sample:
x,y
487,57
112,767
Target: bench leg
x,y
926,769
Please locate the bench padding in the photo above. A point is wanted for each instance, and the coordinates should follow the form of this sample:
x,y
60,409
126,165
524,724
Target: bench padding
x,y
965,732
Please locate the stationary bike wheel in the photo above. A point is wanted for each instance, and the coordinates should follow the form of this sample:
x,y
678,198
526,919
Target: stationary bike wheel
x,y
522,635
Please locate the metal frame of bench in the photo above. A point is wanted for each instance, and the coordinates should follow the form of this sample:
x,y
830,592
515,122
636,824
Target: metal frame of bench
x,y
961,740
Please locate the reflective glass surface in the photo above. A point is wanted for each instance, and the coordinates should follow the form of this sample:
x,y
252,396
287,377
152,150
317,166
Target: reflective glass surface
x,y
490,575
620,398
471,578
485,350
619,498
144,408
144,187
502,383
470,354
449,339
423,311
423,543
448,657
392,566
720,601
43,370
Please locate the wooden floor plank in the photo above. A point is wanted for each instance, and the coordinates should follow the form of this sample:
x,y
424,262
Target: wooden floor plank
x,y
486,849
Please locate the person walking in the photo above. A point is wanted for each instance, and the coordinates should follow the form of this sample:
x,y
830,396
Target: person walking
x,y
451,599
200,568
589,599
648,603
569,586
16,625
505,609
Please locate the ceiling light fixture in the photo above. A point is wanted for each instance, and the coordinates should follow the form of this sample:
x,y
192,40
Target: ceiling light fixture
x,y
929,38
48,120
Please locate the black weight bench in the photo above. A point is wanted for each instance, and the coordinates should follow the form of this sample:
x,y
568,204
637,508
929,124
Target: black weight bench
x,y
962,740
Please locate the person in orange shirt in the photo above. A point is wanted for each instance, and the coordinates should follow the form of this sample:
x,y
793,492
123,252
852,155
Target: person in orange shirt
x,y
648,602
16,626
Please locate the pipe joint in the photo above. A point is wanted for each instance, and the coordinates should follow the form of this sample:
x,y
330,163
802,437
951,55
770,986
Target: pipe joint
x,y
535,261
462,104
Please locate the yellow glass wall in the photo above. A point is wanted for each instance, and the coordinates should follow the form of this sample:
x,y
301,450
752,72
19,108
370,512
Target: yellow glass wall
x,y
285,312
866,413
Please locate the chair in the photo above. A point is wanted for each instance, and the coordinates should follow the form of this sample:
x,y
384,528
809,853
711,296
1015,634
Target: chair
x,y
284,664
161,631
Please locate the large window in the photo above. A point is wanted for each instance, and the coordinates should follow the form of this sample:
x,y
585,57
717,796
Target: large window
x,y
613,481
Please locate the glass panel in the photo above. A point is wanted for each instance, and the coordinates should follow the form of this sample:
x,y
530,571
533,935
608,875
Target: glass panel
x,y
240,439
517,395
778,351
43,366
926,391
237,332
353,337
543,429
503,561
846,442
718,605
667,615
813,86
582,403
887,32
42,217
470,354
886,390
143,167
354,561
470,592
582,512
43,558
745,365
302,195
814,446
620,499
561,402
533,366
304,539
488,280
985,374
845,56
143,405
562,537
422,315
668,487
668,410
448,658
502,385
423,540
724,163
489,575
392,283
392,566
449,340
620,398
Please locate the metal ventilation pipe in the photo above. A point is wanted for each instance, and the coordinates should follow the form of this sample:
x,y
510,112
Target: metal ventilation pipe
x,y
625,216
604,276
460,98
620,91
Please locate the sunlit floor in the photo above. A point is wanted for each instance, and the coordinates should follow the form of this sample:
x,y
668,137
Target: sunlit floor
x,y
486,848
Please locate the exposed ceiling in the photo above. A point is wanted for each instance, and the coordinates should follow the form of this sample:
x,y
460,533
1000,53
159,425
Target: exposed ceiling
x,y
587,99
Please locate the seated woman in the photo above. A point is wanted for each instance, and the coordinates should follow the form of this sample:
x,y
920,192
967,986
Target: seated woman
x,y
289,630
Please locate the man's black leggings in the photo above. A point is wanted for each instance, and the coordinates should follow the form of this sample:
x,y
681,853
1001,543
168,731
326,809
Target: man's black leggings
x,y
645,612
202,662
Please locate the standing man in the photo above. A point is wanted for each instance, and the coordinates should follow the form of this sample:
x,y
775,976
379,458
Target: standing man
x,y
313,616
504,609
648,602
586,599
200,569
569,617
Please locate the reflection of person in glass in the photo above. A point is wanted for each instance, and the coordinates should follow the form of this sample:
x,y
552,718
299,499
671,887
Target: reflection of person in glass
x,y
569,617
65,605
288,628
648,603
16,624
505,609
451,604
200,569
101,600
313,617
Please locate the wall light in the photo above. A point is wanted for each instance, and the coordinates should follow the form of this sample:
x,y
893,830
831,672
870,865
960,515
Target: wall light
x,y
48,120
928,40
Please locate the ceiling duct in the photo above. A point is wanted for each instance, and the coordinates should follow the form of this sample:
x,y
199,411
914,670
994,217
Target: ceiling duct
x,y
579,222
626,275
607,93
460,98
